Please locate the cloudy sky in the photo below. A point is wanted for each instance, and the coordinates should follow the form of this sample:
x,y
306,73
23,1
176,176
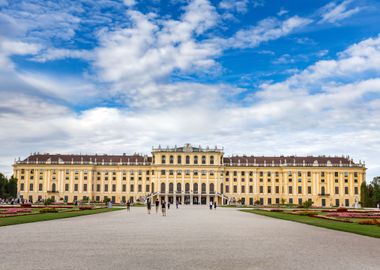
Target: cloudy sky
x,y
260,77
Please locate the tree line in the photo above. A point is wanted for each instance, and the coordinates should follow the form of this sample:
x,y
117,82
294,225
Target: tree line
x,y
8,187
370,194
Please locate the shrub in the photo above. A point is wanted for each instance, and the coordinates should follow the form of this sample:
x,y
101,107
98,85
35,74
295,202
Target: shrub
x,y
26,205
305,213
86,207
342,209
48,210
257,202
369,222
307,204
276,210
48,201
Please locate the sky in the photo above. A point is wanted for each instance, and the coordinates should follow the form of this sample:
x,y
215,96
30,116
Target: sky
x,y
257,77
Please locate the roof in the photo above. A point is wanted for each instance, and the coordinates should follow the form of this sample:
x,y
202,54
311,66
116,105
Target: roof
x,y
307,160
56,158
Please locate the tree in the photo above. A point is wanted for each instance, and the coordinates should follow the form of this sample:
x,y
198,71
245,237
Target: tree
x,y
12,187
3,184
364,197
8,187
376,190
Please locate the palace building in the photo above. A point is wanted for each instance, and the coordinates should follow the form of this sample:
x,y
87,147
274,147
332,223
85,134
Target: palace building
x,y
191,175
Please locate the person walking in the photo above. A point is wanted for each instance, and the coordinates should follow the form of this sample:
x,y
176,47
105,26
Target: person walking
x,y
148,206
168,205
128,206
210,204
163,208
157,205
176,204
215,205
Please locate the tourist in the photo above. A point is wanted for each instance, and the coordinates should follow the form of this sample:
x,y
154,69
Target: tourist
x,y
168,205
163,208
157,205
215,205
177,204
128,206
148,206
210,205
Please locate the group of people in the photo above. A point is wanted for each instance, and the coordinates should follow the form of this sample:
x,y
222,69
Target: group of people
x,y
164,206
13,201
211,204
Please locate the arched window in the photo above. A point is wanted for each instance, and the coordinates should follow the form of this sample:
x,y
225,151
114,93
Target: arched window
x,y
212,188
163,159
53,186
203,188
171,159
171,187
203,159
162,187
195,159
187,159
187,187
195,187
211,160
179,159
178,187
323,191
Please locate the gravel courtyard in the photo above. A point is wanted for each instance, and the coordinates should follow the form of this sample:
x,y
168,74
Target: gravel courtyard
x,y
191,237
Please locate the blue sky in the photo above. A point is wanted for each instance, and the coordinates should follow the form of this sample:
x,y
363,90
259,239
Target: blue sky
x,y
255,76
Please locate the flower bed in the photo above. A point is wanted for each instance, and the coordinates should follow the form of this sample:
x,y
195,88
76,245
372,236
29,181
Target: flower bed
x,y
355,215
334,219
13,211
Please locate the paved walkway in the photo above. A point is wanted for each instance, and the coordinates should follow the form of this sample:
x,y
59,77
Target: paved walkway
x,y
188,238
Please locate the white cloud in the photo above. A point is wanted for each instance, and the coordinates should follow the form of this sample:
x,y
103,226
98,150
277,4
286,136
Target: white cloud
x,y
282,12
11,47
130,3
334,12
51,54
240,6
266,30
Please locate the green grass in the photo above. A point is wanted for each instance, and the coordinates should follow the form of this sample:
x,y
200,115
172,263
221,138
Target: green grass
x,y
50,216
368,230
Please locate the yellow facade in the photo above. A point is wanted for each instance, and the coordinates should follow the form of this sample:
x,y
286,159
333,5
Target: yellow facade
x,y
191,175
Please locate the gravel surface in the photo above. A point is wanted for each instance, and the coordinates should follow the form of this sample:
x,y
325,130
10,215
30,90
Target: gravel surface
x,y
191,237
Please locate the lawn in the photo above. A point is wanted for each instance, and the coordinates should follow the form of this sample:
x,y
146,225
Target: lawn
x,y
368,230
50,216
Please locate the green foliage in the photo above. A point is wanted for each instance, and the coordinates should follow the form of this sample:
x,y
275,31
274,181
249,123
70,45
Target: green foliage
x,y
8,187
364,194
307,204
48,201
370,194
